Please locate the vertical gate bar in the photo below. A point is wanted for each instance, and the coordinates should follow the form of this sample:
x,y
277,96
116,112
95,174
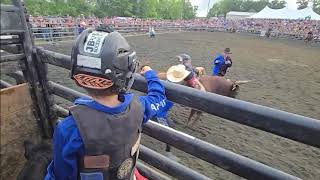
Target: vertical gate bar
x,y
35,73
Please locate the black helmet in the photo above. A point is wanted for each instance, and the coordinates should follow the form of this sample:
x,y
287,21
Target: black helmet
x,y
184,57
105,55
104,27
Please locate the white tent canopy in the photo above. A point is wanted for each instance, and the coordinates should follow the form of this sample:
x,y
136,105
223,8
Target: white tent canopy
x,y
239,15
285,13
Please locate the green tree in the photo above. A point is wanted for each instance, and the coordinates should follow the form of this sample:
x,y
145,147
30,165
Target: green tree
x,y
146,9
276,4
259,5
165,9
302,4
246,5
216,10
59,7
114,8
224,6
174,9
5,1
253,6
316,6
189,11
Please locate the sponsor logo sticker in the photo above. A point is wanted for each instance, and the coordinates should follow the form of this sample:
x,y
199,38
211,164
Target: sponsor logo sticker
x,y
94,42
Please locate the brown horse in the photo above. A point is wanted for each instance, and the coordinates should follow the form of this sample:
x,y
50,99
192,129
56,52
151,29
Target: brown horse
x,y
213,84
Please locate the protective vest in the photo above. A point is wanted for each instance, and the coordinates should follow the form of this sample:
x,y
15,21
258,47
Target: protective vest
x,y
111,142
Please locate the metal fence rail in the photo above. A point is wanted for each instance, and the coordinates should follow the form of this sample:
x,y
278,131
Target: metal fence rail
x,y
224,159
34,70
220,157
149,156
12,57
15,31
4,84
295,127
285,124
53,34
288,125
147,171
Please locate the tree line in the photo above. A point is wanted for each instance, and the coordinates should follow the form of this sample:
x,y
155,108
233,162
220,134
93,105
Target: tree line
x,y
160,9
222,7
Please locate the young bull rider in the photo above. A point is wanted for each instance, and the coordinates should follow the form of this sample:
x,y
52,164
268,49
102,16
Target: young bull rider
x,y
180,75
185,59
100,139
191,80
221,63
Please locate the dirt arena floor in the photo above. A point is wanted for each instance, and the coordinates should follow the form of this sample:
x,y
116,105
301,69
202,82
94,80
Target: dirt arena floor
x,y
285,75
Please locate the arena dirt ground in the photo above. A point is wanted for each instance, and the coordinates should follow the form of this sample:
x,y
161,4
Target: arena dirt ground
x,y
285,75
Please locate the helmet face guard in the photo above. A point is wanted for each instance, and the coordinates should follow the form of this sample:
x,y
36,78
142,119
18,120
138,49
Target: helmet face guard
x,y
105,55
184,57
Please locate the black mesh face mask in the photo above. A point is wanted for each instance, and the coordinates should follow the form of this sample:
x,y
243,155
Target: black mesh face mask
x,y
134,63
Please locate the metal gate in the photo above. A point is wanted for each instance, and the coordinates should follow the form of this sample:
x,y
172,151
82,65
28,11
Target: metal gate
x,y
33,62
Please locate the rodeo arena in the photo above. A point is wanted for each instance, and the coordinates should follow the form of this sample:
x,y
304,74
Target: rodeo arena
x,y
235,97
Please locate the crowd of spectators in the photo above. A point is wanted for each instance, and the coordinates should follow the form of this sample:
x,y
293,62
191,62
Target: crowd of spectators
x,y
292,28
298,28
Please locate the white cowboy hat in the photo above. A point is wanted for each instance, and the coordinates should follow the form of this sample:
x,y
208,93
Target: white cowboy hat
x,y
177,73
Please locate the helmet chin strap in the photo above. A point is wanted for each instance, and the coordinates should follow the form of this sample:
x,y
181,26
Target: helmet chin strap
x,y
129,75
129,82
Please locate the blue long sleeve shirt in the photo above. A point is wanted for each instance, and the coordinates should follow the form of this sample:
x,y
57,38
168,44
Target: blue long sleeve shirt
x,y
68,144
218,62
163,111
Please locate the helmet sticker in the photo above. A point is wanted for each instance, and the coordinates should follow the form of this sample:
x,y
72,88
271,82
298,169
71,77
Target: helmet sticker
x,y
94,42
87,61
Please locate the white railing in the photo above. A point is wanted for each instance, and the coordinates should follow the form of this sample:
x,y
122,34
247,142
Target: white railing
x,y
59,33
